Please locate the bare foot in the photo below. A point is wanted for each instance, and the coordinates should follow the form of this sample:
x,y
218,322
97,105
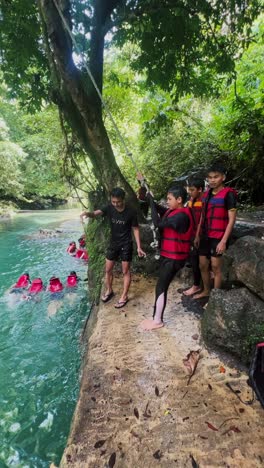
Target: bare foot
x,y
192,290
150,324
201,294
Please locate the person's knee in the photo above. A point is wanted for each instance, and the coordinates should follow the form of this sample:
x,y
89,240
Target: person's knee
x,y
126,271
216,269
203,265
108,269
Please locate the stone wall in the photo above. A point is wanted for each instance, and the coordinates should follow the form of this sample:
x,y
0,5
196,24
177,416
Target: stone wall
x,y
234,317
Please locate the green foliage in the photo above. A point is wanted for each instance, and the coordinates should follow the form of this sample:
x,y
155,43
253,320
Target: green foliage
x,y
254,336
23,60
11,177
32,149
187,46
44,144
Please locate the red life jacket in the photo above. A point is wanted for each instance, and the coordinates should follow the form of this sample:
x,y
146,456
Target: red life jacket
x,y
215,214
22,282
176,245
82,254
71,248
82,242
55,285
195,207
36,286
72,281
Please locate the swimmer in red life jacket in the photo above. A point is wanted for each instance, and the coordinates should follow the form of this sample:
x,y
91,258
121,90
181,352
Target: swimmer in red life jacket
x,y
21,285
72,280
55,287
35,288
82,254
71,249
82,241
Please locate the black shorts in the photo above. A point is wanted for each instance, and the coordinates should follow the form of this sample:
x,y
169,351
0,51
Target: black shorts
x,y
207,247
123,252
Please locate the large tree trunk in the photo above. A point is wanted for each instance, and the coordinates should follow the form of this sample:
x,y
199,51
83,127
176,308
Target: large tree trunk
x,y
76,96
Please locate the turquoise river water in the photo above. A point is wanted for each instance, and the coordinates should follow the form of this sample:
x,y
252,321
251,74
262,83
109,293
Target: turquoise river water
x,y
40,345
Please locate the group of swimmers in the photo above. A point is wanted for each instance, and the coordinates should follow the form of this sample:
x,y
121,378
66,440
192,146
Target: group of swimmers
x,y
81,251
55,287
199,230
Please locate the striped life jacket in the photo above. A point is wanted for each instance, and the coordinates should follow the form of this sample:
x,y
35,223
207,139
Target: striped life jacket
x,y
195,207
215,214
176,245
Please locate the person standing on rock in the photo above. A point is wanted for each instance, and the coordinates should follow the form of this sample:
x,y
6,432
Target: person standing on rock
x,y
123,220
216,225
195,190
176,229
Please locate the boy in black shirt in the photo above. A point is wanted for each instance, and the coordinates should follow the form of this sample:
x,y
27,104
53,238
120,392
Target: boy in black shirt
x,y
123,220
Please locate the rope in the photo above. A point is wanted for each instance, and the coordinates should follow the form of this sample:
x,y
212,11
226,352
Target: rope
x,y
154,244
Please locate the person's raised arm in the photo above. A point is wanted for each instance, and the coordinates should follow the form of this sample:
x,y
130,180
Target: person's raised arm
x,y
91,214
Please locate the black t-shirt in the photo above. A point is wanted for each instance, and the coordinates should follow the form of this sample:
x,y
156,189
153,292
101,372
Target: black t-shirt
x,y
121,223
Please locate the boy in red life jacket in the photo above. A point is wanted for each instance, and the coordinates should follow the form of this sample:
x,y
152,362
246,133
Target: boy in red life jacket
x,y
195,190
176,229
216,225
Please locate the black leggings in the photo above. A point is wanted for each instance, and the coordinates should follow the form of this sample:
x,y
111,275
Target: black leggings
x,y
167,271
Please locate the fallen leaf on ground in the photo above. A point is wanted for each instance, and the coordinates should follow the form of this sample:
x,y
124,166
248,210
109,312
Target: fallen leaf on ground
x,y
194,462
112,460
211,426
222,370
99,443
190,362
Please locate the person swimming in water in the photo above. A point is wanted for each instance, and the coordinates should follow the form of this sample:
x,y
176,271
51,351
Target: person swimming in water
x,y
35,288
21,285
55,288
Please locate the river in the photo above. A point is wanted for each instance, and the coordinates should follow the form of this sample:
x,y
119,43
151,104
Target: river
x,y
40,352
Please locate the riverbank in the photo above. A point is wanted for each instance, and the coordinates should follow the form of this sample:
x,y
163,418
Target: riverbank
x,y
135,408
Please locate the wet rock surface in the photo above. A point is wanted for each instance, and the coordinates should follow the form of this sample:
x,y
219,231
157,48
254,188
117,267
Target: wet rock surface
x,y
135,407
229,317
244,263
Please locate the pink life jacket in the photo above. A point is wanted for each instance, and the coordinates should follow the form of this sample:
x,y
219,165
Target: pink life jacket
x,y
55,285
36,286
82,254
71,281
22,282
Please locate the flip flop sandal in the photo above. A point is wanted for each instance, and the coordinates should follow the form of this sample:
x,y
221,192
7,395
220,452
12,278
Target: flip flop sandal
x,y
121,304
107,297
